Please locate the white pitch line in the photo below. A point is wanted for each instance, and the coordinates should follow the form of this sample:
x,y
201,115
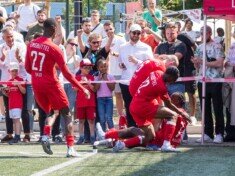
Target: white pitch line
x,y
62,165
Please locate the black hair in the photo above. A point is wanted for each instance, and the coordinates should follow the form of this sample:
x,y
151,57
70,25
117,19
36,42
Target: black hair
x,y
49,23
86,20
173,72
101,61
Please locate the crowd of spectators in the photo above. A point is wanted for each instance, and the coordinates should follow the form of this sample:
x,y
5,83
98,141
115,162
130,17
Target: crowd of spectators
x,y
96,53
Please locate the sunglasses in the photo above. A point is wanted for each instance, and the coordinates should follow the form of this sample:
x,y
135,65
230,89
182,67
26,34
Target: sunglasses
x,y
107,30
73,44
96,42
136,33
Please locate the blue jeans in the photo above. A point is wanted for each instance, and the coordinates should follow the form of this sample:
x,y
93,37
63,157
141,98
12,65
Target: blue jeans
x,y
176,87
105,110
71,94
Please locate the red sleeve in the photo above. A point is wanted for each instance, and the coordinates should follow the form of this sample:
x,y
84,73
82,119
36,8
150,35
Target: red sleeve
x,y
28,65
64,69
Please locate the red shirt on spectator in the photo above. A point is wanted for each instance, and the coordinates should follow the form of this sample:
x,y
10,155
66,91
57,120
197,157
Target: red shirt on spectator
x,y
149,40
14,95
81,100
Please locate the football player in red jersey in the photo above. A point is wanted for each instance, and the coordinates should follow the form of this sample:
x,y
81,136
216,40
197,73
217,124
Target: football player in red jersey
x,y
41,58
145,107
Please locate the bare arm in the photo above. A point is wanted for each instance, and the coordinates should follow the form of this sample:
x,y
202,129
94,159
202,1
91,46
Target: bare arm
x,y
22,89
58,36
80,42
110,40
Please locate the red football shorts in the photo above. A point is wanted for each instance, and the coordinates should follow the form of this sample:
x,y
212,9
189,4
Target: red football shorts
x,y
86,113
51,97
143,112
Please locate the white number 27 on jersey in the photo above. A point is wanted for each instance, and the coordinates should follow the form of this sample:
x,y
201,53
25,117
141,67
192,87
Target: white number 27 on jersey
x,y
37,55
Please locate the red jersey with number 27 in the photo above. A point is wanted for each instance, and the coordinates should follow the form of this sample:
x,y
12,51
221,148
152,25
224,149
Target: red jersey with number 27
x,y
142,73
41,59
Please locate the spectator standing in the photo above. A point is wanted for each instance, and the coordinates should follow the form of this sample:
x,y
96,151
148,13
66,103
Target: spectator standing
x,y
97,26
86,27
12,51
104,95
113,66
214,66
3,16
26,14
174,47
188,29
38,28
229,94
131,55
10,22
15,97
86,108
95,51
148,36
153,15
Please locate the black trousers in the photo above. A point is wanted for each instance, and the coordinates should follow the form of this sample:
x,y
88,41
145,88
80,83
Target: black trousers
x,y
213,97
42,119
127,101
24,116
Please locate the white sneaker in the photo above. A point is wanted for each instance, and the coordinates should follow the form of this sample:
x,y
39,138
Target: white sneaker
x,y
119,146
99,132
193,120
106,142
218,139
207,139
168,148
46,145
71,152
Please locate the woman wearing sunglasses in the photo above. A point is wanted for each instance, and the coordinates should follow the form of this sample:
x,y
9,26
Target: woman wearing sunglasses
x,y
95,52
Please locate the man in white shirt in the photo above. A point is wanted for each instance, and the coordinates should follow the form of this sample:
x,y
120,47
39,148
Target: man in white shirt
x,y
131,55
26,14
97,27
12,51
188,29
114,68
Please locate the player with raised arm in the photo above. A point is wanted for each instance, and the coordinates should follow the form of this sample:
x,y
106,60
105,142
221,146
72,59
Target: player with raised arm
x,y
41,58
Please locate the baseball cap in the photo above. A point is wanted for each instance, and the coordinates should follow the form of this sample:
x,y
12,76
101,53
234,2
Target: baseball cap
x,y
49,22
85,62
135,27
13,66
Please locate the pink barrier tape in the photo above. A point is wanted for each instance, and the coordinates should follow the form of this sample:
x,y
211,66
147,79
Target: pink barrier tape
x,y
181,79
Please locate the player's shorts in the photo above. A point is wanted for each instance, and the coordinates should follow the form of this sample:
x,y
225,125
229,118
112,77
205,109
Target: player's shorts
x,y
51,97
86,113
143,112
117,88
15,113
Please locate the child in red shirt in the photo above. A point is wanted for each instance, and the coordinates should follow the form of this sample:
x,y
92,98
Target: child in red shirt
x,y
86,108
15,93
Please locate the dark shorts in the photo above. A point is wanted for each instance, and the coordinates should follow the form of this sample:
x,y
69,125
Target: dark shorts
x,y
190,86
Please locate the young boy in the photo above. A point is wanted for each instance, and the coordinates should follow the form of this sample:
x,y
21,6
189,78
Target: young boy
x,y
15,93
86,107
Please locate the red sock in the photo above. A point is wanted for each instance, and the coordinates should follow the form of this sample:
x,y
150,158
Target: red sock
x,y
112,134
133,142
169,130
70,140
122,122
47,130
